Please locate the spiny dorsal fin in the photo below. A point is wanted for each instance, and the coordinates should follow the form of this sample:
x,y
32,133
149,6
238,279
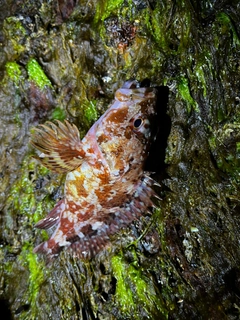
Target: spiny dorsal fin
x,y
60,144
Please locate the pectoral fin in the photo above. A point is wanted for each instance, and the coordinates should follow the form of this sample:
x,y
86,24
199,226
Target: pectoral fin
x,y
60,145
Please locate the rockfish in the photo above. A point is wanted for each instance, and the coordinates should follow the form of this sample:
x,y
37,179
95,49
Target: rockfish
x,y
106,187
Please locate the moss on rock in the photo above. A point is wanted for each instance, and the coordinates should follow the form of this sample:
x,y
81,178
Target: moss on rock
x,y
36,74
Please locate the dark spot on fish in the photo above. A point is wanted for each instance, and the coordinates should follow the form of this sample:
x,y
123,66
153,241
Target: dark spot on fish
x,y
119,116
146,105
72,238
102,138
128,133
88,230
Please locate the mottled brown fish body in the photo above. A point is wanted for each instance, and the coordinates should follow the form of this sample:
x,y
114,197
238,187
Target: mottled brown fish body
x,y
106,187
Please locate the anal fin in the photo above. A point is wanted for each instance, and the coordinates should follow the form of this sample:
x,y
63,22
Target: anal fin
x,y
52,218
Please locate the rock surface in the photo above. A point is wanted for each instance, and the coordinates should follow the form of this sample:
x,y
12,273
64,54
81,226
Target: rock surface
x,y
64,59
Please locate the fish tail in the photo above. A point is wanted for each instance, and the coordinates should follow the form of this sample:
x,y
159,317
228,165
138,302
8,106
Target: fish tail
x,y
89,248
50,248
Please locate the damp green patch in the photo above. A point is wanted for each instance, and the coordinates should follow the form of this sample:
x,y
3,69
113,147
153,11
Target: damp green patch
x,y
184,21
21,197
16,34
17,28
36,277
13,71
201,78
155,23
204,70
21,194
238,146
37,75
123,292
158,216
105,8
23,203
184,92
90,111
43,171
225,146
58,114
227,26
5,266
134,289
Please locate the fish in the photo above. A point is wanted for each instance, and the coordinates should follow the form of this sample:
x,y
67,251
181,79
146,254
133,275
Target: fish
x,y
106,186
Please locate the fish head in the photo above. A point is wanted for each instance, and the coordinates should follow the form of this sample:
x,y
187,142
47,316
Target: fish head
x,y
139,105
126,130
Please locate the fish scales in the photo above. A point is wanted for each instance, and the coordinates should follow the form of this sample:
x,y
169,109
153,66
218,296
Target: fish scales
x,y
106,187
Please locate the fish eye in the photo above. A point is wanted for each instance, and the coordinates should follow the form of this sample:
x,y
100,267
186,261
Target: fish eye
x,y
137,123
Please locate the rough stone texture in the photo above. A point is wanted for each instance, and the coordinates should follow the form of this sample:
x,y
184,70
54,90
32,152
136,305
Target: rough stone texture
x,y
64,59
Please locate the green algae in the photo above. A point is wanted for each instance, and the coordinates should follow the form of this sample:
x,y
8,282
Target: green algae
x,y
58,114
201,78
134,289
185,23
90,111
36,277
238,147
162,29
14,71
225,145
124,294
23,205
158,216
184,92
22,202
227,26
156,24
17,28
37,75
227,162
105,8
15,35
21,198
